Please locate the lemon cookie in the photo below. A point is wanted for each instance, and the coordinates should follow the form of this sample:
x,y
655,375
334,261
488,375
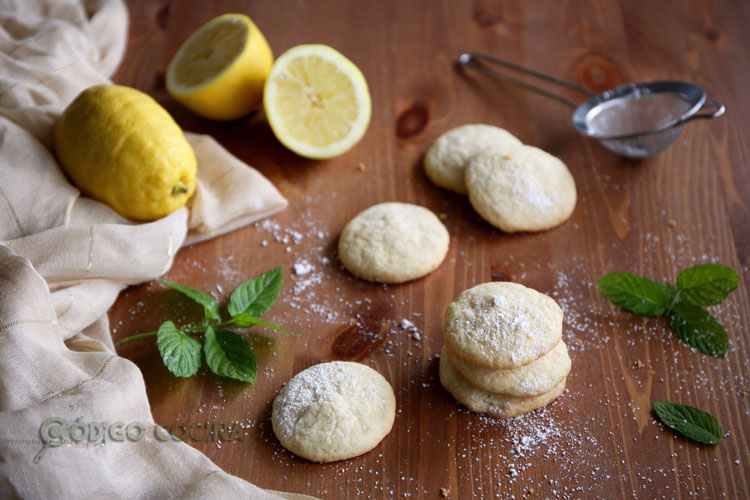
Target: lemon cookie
x,y
502,325
488,403
393,243
525,190
333,411
534,379
445,160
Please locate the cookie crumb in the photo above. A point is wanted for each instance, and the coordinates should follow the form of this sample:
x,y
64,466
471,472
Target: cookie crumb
x,y
444,492
361,167
639,364
672,223
443,216
530,491
579,341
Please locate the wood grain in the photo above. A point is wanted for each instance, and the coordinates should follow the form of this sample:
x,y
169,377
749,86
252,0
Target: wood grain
x,y
688,205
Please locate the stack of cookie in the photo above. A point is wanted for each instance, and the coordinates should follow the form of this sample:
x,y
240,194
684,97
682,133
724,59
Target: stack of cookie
x,y
513,186
503,354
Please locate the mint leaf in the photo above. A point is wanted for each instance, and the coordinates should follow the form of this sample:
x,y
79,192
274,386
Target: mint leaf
x,y
707,284
635,294
210,306
698,329
229,355
244,320
256,296
181,354
690,422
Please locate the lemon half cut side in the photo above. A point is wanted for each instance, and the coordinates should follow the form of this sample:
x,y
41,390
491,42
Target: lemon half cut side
x,y
220,70
316,101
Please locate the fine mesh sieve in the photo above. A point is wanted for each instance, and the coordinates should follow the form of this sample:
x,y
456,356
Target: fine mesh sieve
x,y
634,120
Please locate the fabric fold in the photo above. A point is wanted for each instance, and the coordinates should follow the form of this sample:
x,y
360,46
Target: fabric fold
x,y
64,258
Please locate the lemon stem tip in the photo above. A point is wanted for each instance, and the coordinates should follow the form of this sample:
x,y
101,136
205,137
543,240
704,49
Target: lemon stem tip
x,y
179,189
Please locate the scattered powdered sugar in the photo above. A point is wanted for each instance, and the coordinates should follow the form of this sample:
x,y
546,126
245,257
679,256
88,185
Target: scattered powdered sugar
x,y
406,324
302,267
501,456
532,192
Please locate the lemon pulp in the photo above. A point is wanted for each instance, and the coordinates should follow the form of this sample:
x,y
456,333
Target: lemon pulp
x,y
317,101
209,53
220,70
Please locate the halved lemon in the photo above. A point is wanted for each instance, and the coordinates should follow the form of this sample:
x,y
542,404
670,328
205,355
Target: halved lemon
x,y
316,101
220,70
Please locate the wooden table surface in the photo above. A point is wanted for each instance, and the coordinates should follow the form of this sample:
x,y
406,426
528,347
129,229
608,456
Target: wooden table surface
x,y
688,205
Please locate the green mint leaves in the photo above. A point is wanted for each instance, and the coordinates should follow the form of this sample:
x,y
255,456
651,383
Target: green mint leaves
x,y
256,296
637,295
181,353
697,328
708,284
210,306
690,422
697,287
227,353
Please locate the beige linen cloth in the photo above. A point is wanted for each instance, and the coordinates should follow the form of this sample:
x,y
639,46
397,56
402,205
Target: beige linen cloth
x,y
64,259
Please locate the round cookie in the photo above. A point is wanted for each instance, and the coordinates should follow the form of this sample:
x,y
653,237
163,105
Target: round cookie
x,y
445,160
333,411
534,379
502,325
488,403
393,243
525,190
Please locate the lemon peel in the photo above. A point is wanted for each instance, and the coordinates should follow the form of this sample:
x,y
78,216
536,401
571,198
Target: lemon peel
x,y
220,70
120,147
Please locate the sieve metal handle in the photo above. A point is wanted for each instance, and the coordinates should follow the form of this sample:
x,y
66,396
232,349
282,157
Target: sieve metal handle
x,y
708,104
478,62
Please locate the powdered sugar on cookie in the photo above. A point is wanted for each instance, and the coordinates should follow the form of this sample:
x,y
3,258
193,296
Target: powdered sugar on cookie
x,y
502,325
333,411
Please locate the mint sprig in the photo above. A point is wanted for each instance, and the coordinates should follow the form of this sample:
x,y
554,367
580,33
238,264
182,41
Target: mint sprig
x,y
690,422
697,287
228,354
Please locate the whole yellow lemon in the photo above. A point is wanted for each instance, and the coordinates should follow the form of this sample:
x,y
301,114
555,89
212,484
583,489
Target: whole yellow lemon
x,y
119,146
